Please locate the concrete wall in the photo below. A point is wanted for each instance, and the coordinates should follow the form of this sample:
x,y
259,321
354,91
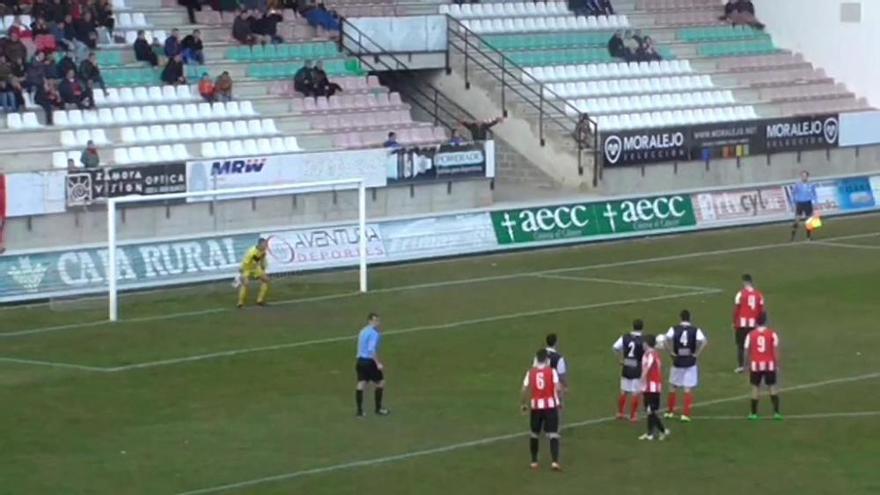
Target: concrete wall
x,y
846,50
778,167
82,226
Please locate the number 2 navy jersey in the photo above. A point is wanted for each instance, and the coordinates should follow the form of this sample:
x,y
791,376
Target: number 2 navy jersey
x,y
632,352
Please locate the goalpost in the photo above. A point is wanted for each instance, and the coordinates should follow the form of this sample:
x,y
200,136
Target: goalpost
x,y
240,193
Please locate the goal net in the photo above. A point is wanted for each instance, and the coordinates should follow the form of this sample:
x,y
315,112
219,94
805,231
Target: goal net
x,y
182,252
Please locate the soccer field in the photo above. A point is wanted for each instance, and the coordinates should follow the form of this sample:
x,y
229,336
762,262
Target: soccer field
x,y
190,396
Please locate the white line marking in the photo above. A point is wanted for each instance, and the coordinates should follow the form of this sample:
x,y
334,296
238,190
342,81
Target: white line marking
x,y
574,278
51,364
854,414
447,283
422,328
841,244
476,443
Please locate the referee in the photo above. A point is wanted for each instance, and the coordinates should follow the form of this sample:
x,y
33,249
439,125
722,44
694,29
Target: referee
x,y
368,366
803,194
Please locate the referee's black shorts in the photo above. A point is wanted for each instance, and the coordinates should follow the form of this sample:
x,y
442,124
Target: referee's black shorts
x,y
546,420
368,371
768,377
803,209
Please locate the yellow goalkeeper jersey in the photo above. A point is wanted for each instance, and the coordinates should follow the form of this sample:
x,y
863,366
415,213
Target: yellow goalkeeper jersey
x,y
254,260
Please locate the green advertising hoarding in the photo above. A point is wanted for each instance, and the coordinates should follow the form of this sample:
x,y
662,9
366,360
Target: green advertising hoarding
x,y
584,220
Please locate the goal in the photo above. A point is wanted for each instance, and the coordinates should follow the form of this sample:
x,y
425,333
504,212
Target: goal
x,y
233,213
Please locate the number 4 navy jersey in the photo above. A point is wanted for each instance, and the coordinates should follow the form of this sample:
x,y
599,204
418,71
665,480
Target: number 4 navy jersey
x,y
684,345
632,352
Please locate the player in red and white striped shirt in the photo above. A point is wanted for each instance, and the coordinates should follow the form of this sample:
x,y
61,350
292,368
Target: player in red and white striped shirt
x,y
747,307
762,345
652,387
540,395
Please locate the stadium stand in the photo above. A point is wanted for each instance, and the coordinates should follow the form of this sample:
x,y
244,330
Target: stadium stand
x,y
710,71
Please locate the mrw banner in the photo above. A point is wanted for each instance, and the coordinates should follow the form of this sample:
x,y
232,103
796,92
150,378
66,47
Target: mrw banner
x,y
595,219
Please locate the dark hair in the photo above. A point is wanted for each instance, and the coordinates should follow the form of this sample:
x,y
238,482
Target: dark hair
x,y
541,355
261,240
371,316
650,340
685,315
551,339
392,133
747,278
762,319
638,324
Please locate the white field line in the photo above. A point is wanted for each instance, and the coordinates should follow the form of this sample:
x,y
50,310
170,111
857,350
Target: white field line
x,y
837,415
574,278
51,364
845,245
480,442
447,283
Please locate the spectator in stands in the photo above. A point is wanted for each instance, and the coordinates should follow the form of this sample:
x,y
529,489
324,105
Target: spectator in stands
x,y
143,51
47,97
7,97
15,51
86,30
71,164
741,12
173,71
455,139
191,7
58,30
615,45
391,142
648,51
36,72
192,48
89,157
630,46
91,73
319,16
5,68
104,16
40,28
223,87
65,65
73,92
480,129
172,44
303,80
206,87
598,7
52,68
241,29
22,31
267,27
323,86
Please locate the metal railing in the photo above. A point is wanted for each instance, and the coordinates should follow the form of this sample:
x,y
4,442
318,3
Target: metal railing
x,y
552,110
397,74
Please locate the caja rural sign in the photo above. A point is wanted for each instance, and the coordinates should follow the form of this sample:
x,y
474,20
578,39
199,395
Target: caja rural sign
x,y
579,220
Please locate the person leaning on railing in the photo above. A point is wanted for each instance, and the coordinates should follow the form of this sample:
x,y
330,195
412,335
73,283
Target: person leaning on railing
x,y
479,129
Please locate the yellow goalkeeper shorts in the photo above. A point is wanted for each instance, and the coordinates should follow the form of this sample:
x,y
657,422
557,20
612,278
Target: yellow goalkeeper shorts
x,y
255,274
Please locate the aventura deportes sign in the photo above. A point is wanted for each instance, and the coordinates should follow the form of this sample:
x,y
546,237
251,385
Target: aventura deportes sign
x,y
722,139
585,220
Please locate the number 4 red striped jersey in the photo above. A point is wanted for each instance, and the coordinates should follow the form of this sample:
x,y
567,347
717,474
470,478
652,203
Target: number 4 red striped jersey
x,y
763,344
749,306
542,381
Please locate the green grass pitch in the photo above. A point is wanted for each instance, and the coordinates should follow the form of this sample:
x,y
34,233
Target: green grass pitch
x,y
260,401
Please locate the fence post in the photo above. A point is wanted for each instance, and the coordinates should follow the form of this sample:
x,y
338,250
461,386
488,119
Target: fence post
x,y
503,89
541,114
467,81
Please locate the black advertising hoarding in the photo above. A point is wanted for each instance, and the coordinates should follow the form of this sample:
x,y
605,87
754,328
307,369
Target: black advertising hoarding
x,y
445,161
87,186
721,140
809,132
646,146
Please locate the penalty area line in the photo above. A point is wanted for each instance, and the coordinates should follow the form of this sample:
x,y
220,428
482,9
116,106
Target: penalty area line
x,y
481,442
816,416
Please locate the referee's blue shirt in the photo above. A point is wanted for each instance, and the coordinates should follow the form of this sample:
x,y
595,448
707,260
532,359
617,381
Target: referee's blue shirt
x,y
368,342
803,192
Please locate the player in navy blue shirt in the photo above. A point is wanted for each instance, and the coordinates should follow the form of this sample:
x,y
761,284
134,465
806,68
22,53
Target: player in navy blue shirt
x,y
368,366
803,194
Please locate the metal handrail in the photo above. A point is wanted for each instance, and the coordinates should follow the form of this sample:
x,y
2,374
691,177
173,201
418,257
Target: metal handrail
x,y
441,107
457,30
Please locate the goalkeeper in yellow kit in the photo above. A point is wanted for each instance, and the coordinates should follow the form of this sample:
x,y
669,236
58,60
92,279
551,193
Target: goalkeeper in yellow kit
x,y
253,267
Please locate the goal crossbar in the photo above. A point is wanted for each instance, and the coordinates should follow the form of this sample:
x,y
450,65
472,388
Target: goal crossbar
x,y
112,269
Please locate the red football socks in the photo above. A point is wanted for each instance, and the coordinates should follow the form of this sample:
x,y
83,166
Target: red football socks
x,y
621,404
634,410
688,403
670,404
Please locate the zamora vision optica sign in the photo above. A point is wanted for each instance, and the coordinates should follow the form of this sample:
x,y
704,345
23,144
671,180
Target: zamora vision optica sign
x,y
584,220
